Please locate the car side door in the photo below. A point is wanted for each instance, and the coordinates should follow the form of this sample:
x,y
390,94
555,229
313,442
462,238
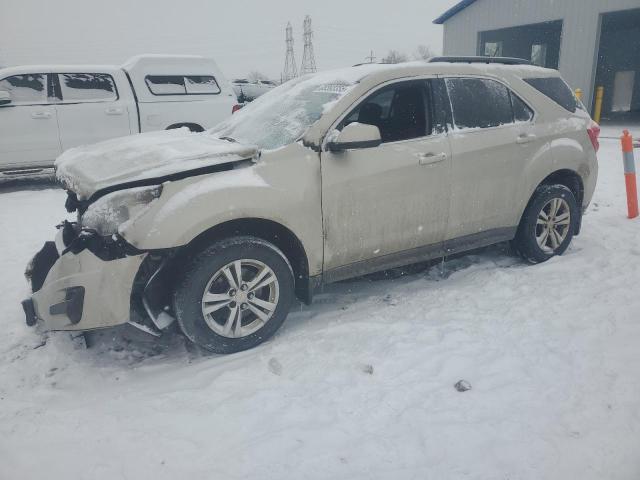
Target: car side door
x,y
489,148
388,205
89,108
28,125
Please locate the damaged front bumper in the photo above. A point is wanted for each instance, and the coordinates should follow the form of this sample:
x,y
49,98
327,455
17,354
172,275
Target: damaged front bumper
x,y
81,281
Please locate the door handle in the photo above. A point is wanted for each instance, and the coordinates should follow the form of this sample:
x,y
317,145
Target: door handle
x,y
524,138
430,158
41,115
114,111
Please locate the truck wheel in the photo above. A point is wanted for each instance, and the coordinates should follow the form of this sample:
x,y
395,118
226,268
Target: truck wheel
x,y
548,224
234,294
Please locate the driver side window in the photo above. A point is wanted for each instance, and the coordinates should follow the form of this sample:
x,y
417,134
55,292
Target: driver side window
x,y
399,111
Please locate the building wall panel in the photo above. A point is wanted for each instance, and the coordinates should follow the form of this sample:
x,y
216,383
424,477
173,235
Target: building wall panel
x,y
578,49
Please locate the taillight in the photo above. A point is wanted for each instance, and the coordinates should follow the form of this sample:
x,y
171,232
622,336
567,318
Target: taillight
x,y
235,108
594,134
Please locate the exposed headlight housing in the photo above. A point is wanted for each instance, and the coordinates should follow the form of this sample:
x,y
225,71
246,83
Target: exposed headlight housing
x,y
111,212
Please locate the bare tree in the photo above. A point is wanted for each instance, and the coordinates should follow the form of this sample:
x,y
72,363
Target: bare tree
x,y
395,56
423,52
255,76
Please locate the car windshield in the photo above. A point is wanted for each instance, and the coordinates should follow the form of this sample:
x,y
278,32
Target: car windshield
x,y
284,114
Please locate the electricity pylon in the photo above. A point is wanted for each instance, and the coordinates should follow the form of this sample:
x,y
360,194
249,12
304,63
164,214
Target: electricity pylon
x,y
290,69
308,57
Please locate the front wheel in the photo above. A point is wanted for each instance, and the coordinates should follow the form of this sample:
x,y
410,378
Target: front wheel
x,y
548,224
234,295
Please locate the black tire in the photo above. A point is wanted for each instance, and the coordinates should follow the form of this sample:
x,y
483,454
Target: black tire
x,y
195,277
525,243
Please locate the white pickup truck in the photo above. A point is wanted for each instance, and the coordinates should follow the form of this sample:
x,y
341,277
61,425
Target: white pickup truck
x,y
47,109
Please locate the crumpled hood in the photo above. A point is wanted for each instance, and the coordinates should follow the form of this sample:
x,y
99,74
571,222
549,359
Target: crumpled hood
x,y
88,169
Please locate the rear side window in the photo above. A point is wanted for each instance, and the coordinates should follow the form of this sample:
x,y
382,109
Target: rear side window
x,y
557,90
201,84
521,111
182,84
26,89
166,84
87,87
479,103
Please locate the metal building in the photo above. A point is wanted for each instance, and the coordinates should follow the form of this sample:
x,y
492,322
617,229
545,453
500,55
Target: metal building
x,y
592,42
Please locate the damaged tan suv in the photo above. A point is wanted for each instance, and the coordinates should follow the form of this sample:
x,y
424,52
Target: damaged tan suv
x,y
326,177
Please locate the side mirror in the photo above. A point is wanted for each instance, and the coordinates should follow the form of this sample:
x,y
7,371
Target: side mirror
x,y
5,97
356,135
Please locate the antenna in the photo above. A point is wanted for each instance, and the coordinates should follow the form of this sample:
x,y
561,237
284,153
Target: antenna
x,y
308,58
371,57
290,69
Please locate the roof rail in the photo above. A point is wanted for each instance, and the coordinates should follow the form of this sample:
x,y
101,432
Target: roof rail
x,y
477,59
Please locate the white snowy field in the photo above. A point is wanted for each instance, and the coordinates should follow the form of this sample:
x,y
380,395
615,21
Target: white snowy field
x,y
358,386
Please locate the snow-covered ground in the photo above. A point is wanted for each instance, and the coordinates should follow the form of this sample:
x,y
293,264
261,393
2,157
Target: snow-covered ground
x,y
361,384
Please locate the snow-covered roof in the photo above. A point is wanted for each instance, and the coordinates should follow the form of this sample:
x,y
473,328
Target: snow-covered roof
x,y
171,64
33,69
457,8
379,73
197,65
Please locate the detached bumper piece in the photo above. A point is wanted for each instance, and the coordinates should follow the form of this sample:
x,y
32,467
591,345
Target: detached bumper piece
x,y
40,265
71,306
29,312
82,281
36,273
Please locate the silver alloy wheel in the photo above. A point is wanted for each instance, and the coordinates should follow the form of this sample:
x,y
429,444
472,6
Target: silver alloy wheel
x,y
240,298
552,226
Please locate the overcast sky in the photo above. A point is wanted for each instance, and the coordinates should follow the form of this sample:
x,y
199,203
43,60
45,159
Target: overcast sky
x,y
242,35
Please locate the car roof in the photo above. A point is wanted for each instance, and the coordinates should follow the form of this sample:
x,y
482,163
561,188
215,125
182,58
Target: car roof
x,y
33,69
145,61
384,72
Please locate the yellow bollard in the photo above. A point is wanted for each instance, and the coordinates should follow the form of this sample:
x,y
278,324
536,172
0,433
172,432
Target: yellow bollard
x,y
597,109
579,94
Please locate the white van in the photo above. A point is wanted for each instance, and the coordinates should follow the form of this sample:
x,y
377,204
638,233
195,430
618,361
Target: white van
x,y
47,109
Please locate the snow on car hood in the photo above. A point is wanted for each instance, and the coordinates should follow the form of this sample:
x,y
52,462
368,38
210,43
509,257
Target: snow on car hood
x,y
88,169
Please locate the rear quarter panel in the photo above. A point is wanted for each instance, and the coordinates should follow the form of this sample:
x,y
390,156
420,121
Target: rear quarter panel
x,y
563,145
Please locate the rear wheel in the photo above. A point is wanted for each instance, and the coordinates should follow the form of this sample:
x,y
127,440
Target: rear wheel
x,y
548,224
234,295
